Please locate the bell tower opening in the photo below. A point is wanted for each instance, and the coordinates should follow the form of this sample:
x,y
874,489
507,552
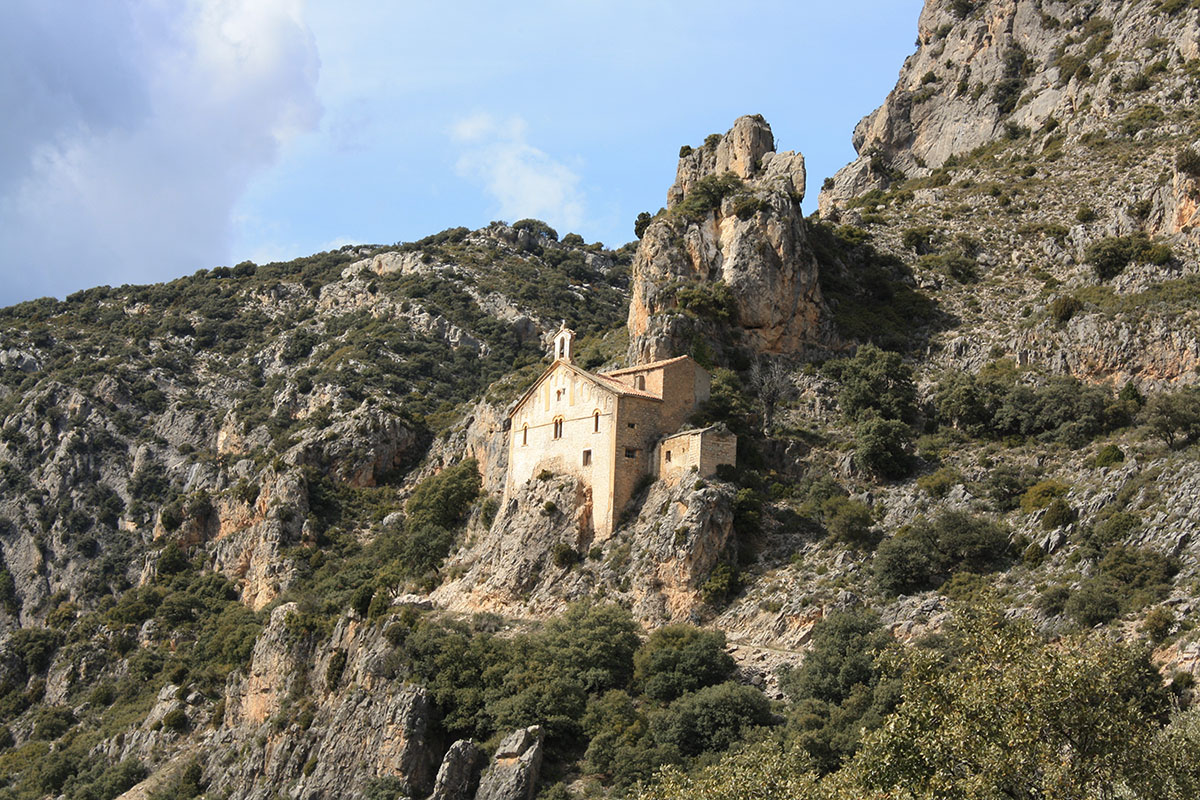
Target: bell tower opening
x,y
564,344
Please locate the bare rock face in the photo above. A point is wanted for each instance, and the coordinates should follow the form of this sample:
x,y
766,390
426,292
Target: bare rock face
x,y
362,724
534,558
750,237
514,771
458,777
1004,63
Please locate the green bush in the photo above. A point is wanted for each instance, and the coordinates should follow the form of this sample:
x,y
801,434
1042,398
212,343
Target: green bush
x,y
175,720
1063,307
1188,162
444,499
842,655
1110,256
1093,604
1158,624
641,223
706,196
711,719
1058,514
1042,494
677,659
881,447
922,555
51,722
1109,455
565,556
939,482
849,521
1174,416
333,673
907,562
721,586
875,382
1115,529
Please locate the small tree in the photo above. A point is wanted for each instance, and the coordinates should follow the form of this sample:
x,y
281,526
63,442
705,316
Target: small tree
x,y
1174,416
772,384
882,447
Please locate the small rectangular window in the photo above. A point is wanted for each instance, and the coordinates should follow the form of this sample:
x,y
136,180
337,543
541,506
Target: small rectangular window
x,y
632,425
630,452
668,456
587,458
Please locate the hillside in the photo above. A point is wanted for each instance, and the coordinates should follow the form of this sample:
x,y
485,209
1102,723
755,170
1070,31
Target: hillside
x,y
255,541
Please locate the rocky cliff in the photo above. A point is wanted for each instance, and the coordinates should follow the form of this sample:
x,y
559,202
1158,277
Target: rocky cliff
x,y
250,523
730,245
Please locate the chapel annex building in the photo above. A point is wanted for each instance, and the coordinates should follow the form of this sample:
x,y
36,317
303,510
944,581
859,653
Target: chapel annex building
x,y
611,429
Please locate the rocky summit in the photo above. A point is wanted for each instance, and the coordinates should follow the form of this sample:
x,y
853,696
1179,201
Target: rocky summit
x,y
259,540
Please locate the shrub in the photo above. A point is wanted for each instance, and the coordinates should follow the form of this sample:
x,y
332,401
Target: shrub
x,y
844,647
1174,416
976,543
882,447
1114,529
1109,455
1063,307
1158,624
564,555
939,482
1111,255
722,584
1058,514
1041,495
1188,162
333,673
51,722
710,301
875,382
641,223
445,499
905,563
711,719
706,196
678,659
1085,214
848,521
1094,604
1053,600
175,720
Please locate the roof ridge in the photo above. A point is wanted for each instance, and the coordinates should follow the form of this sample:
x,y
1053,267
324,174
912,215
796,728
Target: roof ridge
x,y
651,365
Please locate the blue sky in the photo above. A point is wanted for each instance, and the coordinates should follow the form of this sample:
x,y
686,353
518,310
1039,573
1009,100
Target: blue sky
x,y
146,139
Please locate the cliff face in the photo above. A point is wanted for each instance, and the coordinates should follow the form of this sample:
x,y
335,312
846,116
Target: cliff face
x,y
983,69
1022,141
731,243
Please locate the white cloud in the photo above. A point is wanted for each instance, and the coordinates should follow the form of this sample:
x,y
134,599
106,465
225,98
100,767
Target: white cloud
x,y
130,153
523,180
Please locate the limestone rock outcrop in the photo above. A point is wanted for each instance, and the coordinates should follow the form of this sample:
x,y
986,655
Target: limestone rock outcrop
x,y
514,771
733,220
458,776
536,556
1004,65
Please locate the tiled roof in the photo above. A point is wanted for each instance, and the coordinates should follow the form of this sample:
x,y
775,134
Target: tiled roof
x,y
622,388
643,367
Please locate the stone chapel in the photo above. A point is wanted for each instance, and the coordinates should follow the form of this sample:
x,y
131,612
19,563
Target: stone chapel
x,y
611,429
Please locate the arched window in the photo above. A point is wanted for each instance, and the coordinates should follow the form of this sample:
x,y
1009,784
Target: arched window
x,y
640,382
525,435
596,421
558,426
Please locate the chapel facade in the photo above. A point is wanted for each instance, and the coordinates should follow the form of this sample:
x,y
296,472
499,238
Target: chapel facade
x,y
611,429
